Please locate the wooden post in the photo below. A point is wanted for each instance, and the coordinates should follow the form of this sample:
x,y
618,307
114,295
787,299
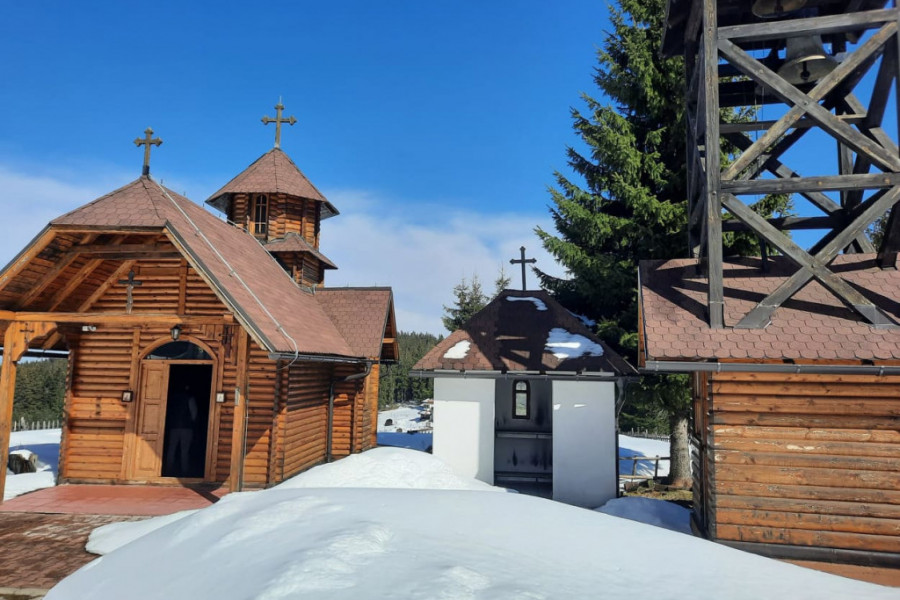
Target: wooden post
x,y
710,65
15,344
239,422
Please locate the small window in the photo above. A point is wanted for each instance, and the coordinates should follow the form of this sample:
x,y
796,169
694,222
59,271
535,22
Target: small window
x,y
521,400
261,215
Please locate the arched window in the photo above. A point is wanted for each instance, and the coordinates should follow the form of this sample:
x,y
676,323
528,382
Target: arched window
x,y
521,400
179,351
260,215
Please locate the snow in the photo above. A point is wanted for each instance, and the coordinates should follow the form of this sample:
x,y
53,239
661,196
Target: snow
x,y
403,418
387,468
107,538
459,350
564,344
650,511
410,439
301,541
44,443
632,446
403,430
538,303
588,322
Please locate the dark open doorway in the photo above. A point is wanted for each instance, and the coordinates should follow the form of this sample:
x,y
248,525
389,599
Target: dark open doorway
x,y
187,421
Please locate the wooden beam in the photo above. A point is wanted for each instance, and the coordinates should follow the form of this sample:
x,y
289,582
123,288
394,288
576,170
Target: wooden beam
x,y
806,184
821,89
806,103
715,297
15,345
145,255
50,276
890,244
790,223
777,168
104,287
85,272
804,123
112,318
813,266
777,30
21,261
239,422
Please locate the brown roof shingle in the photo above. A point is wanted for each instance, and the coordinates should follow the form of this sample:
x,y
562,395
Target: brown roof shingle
x,y
280,316
294,242
512,334
812,325
360,314
272,173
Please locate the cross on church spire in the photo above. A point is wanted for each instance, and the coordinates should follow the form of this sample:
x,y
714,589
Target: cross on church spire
x,y
146,142
278,121
522,261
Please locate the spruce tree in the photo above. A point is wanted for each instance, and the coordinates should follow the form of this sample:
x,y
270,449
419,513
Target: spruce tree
x,y
631,203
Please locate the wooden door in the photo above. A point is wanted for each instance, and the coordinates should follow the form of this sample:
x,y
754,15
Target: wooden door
x,y
151,420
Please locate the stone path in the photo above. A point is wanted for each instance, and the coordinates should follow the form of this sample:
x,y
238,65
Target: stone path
x,y
37,550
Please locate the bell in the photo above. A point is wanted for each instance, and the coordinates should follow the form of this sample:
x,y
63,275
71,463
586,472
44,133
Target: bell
x,y
805,60
769,9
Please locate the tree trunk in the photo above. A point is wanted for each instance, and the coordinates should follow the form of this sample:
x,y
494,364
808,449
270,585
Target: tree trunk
x,y
680,452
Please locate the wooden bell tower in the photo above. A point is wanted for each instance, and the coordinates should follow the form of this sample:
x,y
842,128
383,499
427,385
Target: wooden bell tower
x,y
826,65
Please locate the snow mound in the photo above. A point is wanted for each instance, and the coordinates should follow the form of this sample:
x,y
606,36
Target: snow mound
x,y
386,468
284,543
402,418
459,350
564,344
107,538
538,303
45,444
650,511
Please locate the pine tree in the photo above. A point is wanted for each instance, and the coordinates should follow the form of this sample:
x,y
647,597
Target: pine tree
x,y
631,205
469,299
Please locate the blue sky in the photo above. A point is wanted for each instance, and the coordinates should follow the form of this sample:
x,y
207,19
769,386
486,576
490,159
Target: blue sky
x,y
434,127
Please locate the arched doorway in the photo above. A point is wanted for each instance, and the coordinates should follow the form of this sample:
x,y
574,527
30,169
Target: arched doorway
x,y
173,412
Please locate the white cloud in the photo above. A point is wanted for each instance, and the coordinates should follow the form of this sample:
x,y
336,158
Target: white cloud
x,y
424,251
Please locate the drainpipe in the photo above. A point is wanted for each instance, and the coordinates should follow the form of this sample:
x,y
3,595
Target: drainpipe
x,y
329,430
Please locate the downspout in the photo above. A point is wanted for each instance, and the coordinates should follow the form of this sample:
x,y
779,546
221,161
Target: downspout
x,y
329,432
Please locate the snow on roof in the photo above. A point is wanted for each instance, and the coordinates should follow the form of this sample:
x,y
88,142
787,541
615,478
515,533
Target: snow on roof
x,y
563,344
344,543
538,303
458,351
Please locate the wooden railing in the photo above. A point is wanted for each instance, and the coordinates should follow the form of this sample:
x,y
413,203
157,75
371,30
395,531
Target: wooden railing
x,y
634,463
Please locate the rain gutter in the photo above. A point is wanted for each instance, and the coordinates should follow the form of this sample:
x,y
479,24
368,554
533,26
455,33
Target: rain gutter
x,y
662,366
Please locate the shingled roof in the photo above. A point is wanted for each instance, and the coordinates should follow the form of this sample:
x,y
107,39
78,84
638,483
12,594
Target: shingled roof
x,y
362,315
294,242
272,173
811,326
524,331
278,314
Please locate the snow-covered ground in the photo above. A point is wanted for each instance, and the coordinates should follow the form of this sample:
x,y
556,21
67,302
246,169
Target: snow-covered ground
x,y
403,431
321,535
45,444
632,446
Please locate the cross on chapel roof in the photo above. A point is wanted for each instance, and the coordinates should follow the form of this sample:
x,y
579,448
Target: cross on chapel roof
x,y
522,261
146,142
278,121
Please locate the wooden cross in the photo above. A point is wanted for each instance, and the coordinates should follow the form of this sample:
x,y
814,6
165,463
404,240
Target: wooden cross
x,y
146,142
278,121
131,283
522,261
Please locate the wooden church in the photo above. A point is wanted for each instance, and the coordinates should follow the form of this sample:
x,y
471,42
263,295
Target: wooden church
x,y
795,358
200,350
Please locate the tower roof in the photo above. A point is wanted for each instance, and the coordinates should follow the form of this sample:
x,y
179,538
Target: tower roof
x,y
524,331
294,242
272,173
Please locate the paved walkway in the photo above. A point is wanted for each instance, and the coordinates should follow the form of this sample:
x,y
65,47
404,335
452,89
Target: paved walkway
x,y
130,500
42,534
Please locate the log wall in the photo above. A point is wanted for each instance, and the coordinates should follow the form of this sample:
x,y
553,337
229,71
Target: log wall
x,y
799,460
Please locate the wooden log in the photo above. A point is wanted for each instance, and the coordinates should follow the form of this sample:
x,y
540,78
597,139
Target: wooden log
x,y
862,463
800,446
799,537
827,507
806,476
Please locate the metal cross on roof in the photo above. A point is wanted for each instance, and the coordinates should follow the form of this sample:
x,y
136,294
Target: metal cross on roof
x,y
522,261
146,142
278,121
129,301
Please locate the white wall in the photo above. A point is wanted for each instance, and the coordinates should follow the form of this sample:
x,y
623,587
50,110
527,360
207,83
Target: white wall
x,y
464,426
584,442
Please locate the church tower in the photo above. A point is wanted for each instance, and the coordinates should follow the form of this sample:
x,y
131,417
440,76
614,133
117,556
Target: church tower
x,y
273,200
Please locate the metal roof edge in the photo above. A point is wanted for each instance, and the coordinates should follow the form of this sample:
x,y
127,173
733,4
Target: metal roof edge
x,y
564,375
661,366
